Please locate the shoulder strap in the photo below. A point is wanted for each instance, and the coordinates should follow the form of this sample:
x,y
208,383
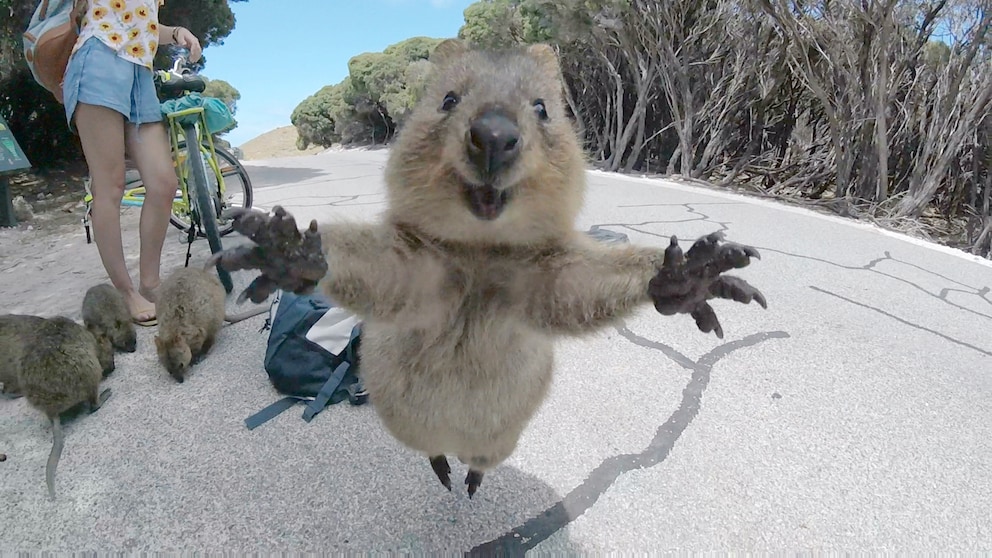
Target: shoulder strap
x,y
326,391
271,412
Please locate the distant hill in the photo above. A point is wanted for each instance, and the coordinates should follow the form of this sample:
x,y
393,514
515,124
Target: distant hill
x,y
280,142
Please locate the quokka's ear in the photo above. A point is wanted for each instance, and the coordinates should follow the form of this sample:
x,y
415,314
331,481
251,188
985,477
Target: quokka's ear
x,y
448,50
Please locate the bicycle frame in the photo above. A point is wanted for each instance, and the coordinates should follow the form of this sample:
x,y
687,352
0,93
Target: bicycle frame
x,y
135,196
176,132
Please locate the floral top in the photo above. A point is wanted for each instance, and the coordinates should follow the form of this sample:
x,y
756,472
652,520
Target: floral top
x,y
130,27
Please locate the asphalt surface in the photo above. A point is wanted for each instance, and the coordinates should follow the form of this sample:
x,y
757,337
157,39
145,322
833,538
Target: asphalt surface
x,y
853,414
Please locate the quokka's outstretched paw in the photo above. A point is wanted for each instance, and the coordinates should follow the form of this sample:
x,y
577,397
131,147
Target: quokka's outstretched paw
x,y
685,282
287,259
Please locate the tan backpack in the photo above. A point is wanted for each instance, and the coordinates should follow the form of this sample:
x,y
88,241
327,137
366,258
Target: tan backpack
x,y
49,40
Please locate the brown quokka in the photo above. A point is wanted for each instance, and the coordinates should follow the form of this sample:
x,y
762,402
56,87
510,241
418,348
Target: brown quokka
x,y
14,337
105,314
59,369
477,265
190,309
17,331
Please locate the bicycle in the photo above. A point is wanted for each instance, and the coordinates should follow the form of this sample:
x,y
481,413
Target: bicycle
x,y
202,197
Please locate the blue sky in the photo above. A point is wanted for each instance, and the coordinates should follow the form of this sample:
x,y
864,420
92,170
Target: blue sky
x,y
282,51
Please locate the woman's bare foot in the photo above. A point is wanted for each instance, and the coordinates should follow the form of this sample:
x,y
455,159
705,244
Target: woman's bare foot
x,y
142,311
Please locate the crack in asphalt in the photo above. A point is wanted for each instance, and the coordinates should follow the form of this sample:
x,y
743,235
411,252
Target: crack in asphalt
x,y
904,321
980,292
539,528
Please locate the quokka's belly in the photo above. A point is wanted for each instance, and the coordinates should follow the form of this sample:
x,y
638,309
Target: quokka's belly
x,y
455,395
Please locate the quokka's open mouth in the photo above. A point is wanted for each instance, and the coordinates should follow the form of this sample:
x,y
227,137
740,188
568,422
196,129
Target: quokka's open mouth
x,y
486,202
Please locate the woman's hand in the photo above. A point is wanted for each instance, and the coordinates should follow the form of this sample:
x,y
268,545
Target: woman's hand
x,y
184,38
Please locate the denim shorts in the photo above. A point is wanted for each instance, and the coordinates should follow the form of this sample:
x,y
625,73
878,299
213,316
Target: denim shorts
x,y
97,76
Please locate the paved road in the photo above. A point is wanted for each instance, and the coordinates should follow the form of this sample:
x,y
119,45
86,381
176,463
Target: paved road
x,y
853,414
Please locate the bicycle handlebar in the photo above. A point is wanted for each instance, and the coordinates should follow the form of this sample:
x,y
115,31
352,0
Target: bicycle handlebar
x,y
178,80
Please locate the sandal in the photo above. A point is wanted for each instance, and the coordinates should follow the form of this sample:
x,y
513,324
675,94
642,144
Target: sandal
x,y
148,321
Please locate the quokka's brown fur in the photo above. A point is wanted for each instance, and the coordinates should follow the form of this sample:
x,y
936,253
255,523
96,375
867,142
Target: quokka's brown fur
x,y
18,331
14,337
60,368
190,311
105,314
461,306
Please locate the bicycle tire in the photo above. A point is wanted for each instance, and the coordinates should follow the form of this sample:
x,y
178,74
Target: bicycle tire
x,y
206,212
239,170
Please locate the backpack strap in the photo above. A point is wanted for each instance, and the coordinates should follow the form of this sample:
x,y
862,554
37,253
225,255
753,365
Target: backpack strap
x,y
271,412
326,391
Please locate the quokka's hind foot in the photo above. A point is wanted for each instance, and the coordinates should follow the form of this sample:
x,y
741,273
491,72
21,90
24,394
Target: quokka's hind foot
x,y
442,469
473,479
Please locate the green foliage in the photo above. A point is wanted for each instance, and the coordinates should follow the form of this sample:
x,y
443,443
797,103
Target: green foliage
x,y
223,91
210,20
36,118
371,103
322,117
492,23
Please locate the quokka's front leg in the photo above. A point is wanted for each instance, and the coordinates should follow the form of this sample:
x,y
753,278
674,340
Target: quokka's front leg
x,y
359,266
589,286
372,273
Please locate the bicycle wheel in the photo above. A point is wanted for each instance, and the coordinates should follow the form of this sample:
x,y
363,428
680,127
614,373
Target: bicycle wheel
x,y
237,188
204,209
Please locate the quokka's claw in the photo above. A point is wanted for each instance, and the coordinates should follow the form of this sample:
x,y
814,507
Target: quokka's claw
x,y
673,254
684,283
287,259
738,290
706,319
473,479
442,469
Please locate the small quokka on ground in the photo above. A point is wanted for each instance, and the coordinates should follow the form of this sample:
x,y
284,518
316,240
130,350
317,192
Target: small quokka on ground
x,y
190,309
477,264
59,368
17,332
105,314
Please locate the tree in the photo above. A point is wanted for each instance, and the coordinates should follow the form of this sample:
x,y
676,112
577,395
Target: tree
x,y
223,91
370,104
35,117
877,107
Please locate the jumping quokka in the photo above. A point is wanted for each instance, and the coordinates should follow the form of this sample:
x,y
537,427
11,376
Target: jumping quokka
x,y
477,265
59,369
105,314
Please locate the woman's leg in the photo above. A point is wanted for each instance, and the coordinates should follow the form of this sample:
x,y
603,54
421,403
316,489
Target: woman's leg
x,y
96,95
101,133
151,152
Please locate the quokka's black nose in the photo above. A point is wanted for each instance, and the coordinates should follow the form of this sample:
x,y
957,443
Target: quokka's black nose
x,y
493,142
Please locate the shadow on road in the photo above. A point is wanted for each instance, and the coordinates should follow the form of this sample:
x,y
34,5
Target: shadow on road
x,y
267,177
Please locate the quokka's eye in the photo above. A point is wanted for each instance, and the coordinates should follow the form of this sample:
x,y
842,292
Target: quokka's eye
x,y
450,100
540,109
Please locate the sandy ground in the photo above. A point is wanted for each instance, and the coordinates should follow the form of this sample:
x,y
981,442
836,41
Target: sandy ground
x,y
46,263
